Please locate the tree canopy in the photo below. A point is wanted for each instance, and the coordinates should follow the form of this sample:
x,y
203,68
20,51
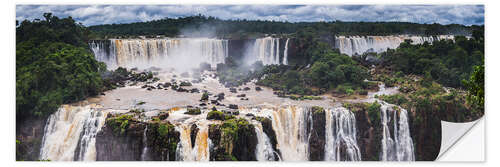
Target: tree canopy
x,y
53,65
200,25
447,61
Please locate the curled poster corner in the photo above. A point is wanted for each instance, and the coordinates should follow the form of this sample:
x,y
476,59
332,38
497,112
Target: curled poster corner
x,y
452,133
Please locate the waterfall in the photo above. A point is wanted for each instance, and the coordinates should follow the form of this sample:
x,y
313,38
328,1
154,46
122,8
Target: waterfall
x,y
104,51
184,146
285,54
360,44
186,151
165,52
277,54
291,127
144,153
340,136
400,146
69,128
266,50
264,150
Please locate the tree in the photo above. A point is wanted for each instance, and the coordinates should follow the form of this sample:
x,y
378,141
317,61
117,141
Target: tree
x,y
53,66
475,87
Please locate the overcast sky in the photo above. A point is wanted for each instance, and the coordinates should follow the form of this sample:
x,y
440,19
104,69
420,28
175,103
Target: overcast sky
x,y
107,14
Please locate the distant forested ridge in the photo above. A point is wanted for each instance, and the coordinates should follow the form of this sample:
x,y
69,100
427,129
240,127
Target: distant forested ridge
x,y
211,26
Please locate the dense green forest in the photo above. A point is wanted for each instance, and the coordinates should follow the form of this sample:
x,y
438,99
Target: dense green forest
x,y
331,70
203,26
53,65
445,61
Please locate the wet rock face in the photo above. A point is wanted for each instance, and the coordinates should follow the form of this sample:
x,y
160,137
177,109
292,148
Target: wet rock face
x,y
267,127
217,152
194,131
425,134
29,133
127,146
369,134
317,140
246,143
237,47
234,144
162,140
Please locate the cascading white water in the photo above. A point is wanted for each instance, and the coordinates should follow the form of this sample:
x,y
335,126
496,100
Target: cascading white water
x,y
290,125
340,136
400,146
360,44
178,53
285,53
144,153
184,149
266,50
104,51
71,127
201,149
264,150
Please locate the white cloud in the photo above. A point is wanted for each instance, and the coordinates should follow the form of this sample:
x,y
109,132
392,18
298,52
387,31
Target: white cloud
x,y
108,14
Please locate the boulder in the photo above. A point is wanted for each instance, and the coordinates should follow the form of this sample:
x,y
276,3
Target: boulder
x,y
193,111
185,83
232,90
233,106
180,89
163,116
195,90
220,96
204,96
167,84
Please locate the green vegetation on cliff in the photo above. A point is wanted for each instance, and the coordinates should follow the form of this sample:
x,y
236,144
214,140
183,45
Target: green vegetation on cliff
x,y
53,66
126,133
329,70
120,123
233,140
448,104
219,115
445,61
475,87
